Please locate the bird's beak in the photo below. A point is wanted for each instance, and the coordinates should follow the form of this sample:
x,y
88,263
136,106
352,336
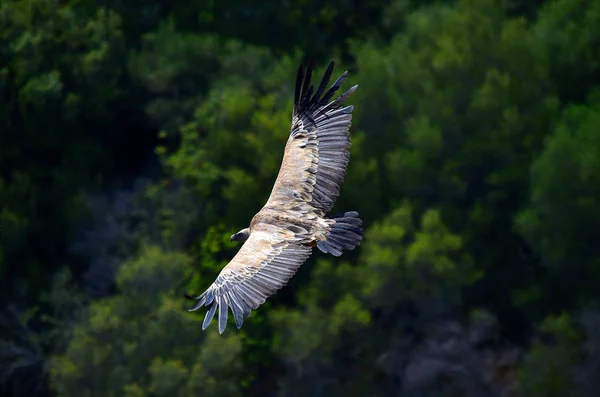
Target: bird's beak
x,y
231,238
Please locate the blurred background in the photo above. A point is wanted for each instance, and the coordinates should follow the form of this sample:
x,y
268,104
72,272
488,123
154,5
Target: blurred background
x,y
137,136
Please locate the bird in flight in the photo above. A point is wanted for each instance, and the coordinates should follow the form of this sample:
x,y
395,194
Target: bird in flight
x,y
282,235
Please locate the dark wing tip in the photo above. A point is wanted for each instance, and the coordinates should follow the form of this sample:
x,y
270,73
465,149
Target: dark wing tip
x,y
298,89
306,86
304,98
311,105
316,100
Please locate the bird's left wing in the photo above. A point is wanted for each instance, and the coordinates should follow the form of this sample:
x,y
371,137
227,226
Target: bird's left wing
x,y
317,152
265,263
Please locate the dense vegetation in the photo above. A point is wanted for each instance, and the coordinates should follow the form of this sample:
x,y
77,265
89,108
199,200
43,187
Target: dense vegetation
x,y
135,137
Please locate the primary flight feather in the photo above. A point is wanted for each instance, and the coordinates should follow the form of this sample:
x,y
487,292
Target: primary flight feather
x,y
282,234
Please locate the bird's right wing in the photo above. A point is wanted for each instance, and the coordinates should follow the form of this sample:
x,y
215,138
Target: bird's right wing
x,y
265,263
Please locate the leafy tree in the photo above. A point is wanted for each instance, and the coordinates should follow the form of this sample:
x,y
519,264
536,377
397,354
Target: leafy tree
x,y
452,110
571,29
564,359
408,279
28,337
61,65
546,369
473,165
141,342
561,219
178,69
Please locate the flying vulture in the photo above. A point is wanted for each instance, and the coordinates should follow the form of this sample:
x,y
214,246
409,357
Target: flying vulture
x,y
282,235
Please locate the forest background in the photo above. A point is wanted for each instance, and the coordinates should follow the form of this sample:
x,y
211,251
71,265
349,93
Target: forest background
x,y
136,137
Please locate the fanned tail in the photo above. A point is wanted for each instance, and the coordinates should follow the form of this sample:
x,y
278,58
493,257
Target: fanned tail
x,y
345,233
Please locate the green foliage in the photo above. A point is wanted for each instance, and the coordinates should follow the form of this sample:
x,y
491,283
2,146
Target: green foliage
x,y
400,266
24,349
474,165
142,342
569,28
546,369
562,217
61,65
452,109
178,69
409,264
447,102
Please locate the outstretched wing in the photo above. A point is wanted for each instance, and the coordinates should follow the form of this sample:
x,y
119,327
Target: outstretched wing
x,y
265,263
318,149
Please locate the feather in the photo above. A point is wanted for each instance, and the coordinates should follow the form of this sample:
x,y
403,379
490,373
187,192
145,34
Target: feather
x,y
209,316
324,81
223,310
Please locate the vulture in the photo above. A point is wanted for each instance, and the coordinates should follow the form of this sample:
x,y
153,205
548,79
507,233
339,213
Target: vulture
x,y
294,220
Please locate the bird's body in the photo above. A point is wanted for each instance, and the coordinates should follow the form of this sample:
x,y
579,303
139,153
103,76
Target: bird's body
x,y
282,234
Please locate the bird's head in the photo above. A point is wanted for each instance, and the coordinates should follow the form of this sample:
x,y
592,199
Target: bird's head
x,y
242,235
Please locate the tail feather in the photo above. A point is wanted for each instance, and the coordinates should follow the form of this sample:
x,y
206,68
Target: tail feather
x,y
345,234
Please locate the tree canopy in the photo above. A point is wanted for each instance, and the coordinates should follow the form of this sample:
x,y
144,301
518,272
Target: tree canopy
x,y
136,137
